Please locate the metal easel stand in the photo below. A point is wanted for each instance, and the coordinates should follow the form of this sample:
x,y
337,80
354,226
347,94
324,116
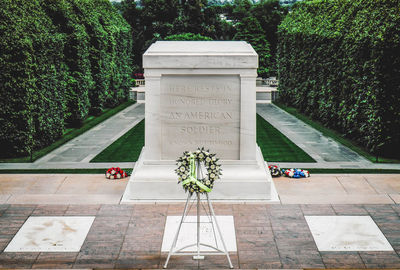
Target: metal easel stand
x,y
199,255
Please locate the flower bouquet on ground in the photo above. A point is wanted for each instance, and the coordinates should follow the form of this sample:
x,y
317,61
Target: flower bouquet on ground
x,y
116,173
274,170
295,173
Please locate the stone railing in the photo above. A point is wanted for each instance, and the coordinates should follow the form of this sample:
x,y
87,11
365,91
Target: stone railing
x,y
140,82
271,81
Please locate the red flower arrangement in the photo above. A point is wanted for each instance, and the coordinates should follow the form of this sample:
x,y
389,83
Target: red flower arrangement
x,y
115,173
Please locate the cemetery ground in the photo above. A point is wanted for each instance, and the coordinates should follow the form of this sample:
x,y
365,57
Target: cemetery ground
x,y
292,142
267,235
71,133
335,135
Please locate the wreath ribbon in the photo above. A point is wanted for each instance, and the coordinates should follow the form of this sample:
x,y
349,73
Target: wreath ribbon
x,y
193,178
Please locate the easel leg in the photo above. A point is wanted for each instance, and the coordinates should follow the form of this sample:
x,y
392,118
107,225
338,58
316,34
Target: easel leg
x,y
177,232
198,256
219,231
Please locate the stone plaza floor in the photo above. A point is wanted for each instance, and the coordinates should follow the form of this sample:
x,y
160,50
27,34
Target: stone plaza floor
x,y
267,236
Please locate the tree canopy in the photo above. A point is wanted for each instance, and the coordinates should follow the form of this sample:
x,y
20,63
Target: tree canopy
x,y
153,20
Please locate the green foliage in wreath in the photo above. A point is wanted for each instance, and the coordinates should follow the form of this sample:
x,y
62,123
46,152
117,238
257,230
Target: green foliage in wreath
x,y
210,162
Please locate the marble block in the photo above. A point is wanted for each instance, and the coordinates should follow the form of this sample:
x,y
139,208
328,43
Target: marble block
x,y
51,234
188,233
200,94
200,55
347,233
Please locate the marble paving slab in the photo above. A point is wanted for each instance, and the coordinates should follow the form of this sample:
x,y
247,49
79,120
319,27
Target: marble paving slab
x,y
187,235
347,233
51,234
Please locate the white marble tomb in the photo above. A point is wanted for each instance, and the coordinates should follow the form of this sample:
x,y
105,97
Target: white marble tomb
x,y
200,94
347,233
51,234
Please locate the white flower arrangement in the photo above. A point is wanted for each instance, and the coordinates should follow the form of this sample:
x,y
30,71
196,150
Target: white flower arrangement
x,y
200,156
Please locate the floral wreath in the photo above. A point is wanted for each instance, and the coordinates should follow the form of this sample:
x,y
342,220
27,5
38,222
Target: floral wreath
x,y
187,174
116,173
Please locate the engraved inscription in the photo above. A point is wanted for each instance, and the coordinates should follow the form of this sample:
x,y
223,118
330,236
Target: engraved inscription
x,y
199,111
201,115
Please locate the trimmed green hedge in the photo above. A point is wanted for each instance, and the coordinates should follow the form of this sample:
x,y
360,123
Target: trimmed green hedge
x,y
110,53
78,77
338,62
52,69
31,83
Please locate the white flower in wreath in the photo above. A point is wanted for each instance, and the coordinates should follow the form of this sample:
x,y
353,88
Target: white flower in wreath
x,y
212,166
118,176
184,162
208,159
214,159
182,168
212,175
184,176
179,179
179,164
201,156
208,182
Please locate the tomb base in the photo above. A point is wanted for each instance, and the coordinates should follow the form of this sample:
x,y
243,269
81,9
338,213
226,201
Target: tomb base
x,y
241,181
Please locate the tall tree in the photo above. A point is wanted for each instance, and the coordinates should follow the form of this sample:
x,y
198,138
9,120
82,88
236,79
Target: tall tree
x,y
193,11
132,14
241,9
269,14
249,30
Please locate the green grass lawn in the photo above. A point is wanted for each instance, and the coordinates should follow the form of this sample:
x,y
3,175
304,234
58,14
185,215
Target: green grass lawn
x,y
126,149
71,133
335,135
274,145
